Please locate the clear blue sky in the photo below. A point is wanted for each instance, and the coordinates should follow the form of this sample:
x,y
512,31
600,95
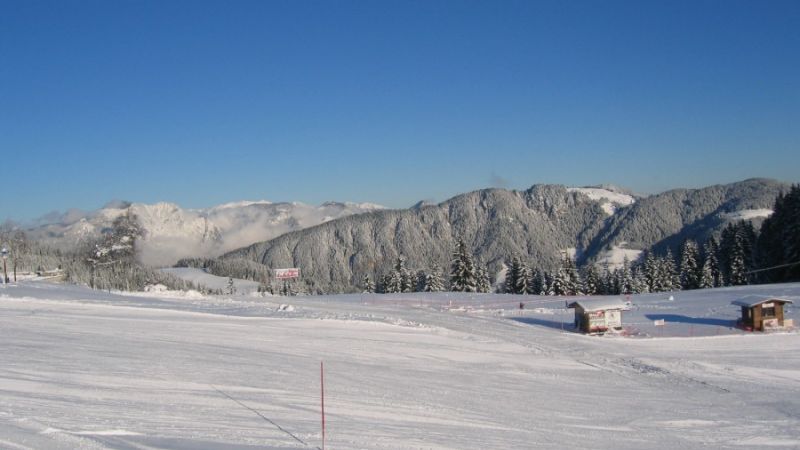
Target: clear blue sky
x,y
391,102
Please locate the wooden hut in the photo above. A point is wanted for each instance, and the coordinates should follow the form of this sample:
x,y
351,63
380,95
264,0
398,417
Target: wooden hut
x,y
595,316
761,313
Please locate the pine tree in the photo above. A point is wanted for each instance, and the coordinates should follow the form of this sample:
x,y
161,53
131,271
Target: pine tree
x,y
420,281
591,283
548,284
523,274
367,285
790,216
394,283
606,281
672,279
778,244
639,280
434,281
408,281
574,275
561,281
537,284
689,270
711,259
462,272
736,253
386,283
736,265
651,272
706,276
625,277
512,275
484,283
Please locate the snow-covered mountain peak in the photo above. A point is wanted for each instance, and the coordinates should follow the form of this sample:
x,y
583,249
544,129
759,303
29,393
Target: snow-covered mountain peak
x,y
241,204
171,232
610,197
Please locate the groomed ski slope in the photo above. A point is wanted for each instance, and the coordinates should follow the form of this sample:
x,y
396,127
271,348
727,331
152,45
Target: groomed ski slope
x,y
92,370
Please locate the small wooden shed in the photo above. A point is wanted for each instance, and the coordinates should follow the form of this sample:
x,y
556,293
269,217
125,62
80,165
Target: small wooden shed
x,y
761,313
598,316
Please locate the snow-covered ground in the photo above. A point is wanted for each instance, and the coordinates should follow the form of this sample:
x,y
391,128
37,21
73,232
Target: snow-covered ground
x,y
202,278
748,214
615,257
610,200
88,369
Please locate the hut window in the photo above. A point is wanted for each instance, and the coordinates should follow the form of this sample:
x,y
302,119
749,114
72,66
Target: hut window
x,y
768,312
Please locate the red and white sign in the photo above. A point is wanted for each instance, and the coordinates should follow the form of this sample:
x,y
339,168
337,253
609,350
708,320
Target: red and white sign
x,y
285,274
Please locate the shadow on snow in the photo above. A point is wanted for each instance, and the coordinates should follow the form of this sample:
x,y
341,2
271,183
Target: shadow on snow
x,y
565,326
692,320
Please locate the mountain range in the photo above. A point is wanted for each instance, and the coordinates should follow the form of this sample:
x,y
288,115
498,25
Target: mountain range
x,y
539,224
172,233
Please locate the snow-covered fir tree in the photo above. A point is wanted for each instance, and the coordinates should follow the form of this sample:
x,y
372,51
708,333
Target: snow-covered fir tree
x,y
639,280
548,283
672,278
419,281
736,251
517,277
778,244
393,283
711,260
434,281
625,278
689,266
408,281
484,283
561,282
574,283
591,280
566,280
523,279
650,269
513,275
606,280
367,286
462,270
537,284
706,276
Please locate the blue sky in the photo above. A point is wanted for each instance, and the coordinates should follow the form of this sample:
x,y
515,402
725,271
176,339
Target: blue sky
x,y
391,102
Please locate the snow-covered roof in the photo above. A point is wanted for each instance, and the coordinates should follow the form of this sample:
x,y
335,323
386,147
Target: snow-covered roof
x,y
598,305
753,300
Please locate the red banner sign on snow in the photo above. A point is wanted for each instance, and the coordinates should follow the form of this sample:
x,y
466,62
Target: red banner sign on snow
x,y
285,274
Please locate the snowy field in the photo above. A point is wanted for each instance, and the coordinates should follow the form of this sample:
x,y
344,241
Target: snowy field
x,y
92,370
202,278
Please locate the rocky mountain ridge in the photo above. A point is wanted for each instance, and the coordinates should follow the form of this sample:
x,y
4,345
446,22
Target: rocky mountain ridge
x,y
539,224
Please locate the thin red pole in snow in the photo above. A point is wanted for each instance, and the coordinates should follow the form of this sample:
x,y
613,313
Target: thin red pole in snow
x,y
322,396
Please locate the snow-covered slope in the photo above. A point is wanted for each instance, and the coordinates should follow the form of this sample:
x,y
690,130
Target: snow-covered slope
x,y
748,214
610,199
88,369
201,278
615,257
172,232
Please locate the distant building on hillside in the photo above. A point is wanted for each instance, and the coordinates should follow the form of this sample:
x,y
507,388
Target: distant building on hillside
x,y
760,313
598,316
